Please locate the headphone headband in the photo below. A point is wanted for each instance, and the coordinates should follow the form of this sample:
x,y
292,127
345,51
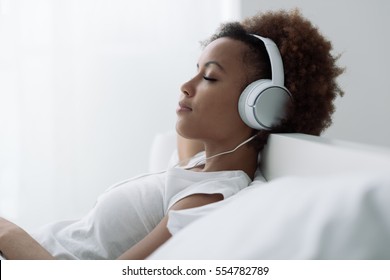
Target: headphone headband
x,y
277,71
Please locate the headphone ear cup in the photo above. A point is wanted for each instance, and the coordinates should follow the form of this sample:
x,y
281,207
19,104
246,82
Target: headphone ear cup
x,y
247,99
262,105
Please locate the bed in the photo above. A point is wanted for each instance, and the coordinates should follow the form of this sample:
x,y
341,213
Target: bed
x,y
317,199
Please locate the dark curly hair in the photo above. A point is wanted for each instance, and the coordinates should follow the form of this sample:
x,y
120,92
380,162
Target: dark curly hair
x,y
309,67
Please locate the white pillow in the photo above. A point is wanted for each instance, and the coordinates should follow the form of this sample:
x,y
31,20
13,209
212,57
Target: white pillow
x,y
338,217
162,151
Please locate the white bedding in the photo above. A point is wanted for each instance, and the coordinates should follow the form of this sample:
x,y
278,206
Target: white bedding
x,y
325,199
323,217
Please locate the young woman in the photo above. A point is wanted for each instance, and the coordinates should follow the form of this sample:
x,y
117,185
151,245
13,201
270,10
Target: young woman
x,y
131,219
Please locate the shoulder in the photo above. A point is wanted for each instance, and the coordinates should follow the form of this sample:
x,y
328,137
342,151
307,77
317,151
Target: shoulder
x,y
196,200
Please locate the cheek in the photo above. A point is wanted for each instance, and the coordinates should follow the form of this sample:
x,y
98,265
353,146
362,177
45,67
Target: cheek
x,y
224,108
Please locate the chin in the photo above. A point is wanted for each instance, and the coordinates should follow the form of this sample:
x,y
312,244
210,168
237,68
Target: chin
x,y
179,130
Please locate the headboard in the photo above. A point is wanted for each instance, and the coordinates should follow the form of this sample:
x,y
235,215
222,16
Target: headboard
x,y
306,155
295,154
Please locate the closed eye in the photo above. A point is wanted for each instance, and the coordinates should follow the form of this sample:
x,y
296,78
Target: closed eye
x,y
209,79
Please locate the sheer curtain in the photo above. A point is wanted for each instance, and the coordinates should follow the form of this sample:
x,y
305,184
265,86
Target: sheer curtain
x,y
84,87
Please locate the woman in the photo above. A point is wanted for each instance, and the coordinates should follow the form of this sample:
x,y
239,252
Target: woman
x,y
131,219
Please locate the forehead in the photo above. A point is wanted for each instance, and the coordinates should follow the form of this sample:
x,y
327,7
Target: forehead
x,y
226,51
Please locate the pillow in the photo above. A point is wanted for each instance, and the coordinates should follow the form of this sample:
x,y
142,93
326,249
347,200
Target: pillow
x,y
337,217
162,151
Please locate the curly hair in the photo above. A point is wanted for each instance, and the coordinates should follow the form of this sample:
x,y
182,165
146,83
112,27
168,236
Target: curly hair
x,y
309,67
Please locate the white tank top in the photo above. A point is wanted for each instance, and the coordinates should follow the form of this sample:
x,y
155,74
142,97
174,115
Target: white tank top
x,y
128,211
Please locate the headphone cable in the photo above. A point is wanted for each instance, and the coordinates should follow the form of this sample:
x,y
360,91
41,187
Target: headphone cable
x,y
220,154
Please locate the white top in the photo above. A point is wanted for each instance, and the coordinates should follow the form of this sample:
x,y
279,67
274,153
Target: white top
x,y
181,218
128,211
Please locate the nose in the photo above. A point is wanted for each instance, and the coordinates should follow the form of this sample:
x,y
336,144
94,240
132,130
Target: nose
x,y
187,88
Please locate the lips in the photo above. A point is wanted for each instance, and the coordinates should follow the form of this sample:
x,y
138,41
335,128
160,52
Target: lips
x,y
183,107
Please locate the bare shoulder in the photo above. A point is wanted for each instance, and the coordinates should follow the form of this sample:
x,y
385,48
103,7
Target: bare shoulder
x,y
196,200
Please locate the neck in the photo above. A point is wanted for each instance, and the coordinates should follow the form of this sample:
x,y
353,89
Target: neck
x,y
242,157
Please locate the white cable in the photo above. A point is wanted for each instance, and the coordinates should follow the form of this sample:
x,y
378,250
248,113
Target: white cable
x,y
224,153
178,164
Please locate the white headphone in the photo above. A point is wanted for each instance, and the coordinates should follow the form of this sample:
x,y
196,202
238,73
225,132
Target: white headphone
x,y
262,105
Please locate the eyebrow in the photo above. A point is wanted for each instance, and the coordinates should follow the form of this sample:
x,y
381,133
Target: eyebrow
x,y
210,63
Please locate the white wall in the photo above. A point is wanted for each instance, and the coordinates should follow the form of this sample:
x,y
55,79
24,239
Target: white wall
x,y
85,86
359,32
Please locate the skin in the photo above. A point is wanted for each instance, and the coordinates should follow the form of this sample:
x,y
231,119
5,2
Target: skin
x,y
187,148
16,244
208,119
207,112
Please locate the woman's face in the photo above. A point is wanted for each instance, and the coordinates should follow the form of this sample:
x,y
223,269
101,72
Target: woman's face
x,y
208,106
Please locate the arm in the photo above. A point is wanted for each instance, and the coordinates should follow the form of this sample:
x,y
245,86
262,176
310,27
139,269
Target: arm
x,y
160,234
16,244
187,148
